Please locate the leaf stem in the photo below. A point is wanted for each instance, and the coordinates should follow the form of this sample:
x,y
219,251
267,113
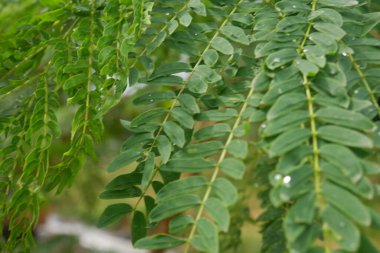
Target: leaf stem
x,y
217,170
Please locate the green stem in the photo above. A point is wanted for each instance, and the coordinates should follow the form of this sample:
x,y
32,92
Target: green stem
x,y
217,32
217,170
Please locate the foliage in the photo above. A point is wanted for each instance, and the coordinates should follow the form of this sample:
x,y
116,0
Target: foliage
x,y
293,83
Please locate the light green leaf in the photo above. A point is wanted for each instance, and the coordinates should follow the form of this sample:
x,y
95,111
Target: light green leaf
x,y
307,68
285,122
347,233
148,170
154,97
280,58
187,165
315,55
233,167
344,159
189,103
158,241
124,159
207,238
212,131
338,3
235,34
346,203
74,81
331,30
222,45
238,148
173,206
182,186
185,18
285,104
175,133
347,118
210,57
183,118
288,141
216,115
345,136
179,223
225,190
219,213
164,148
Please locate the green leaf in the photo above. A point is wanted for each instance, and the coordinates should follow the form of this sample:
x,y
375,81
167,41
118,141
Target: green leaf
x,y
74,81
210,57
207,238
285,122
233,167
285,104
346,203
113,213
138,227
219,213
307,68
148,170
159,241
197,85
216,115
179,223
330,30
185,18
124,159
225,190
315,55
327,15
338,3
182,117
189,103
222,45
164,148
148,116
173,206
280,58
344,159
154,97
123,181
171,68
187,165
212,131
345,136
175,133
235,34
125,192
238,148
347,233
343,117
288,141
182,186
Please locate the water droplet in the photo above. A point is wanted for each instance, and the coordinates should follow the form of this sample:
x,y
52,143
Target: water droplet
x,y
167,13
276,60
277,177
294,6
151,100
286,180
344,54
196,34
278,9
356,91
264,126
305,50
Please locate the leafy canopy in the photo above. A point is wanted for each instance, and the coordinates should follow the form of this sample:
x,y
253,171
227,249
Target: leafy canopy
x,y
292,83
